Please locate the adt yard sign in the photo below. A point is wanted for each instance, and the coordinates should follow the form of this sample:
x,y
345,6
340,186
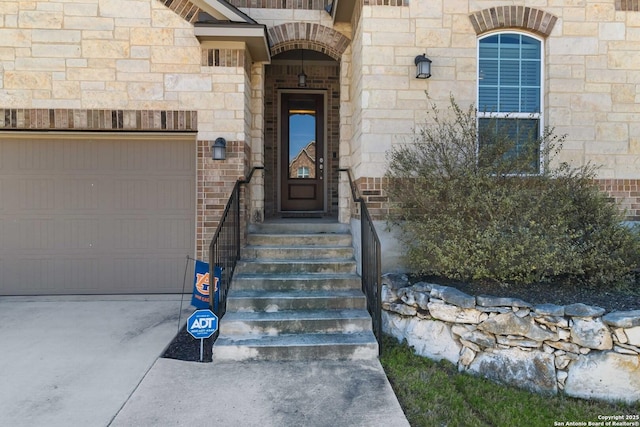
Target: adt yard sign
x,y
202,324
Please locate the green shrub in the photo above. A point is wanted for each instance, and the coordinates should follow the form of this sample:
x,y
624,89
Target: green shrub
x,y
472,211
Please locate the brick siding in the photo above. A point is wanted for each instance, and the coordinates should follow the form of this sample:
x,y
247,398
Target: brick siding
x,y
184,8
111,120
286,77
527,18
628,5
282,4
625,192
216,179
296,35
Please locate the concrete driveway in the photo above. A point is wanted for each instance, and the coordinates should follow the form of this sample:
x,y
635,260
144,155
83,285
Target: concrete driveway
x,y
71,361
93,361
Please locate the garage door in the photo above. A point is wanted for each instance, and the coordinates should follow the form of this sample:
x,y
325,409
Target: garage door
x,y
95,213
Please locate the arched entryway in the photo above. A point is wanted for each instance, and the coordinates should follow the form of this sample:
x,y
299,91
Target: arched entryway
x,y
302,133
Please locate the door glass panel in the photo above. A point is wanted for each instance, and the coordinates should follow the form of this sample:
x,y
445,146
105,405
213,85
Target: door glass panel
x,y
302,139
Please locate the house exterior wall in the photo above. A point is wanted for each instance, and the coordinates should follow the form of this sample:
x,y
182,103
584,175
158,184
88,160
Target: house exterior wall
x,y
591,80
136,65
130,65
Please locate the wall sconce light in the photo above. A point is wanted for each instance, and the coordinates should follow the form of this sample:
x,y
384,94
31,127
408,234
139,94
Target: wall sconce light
x,y
423,67
302,77
219,149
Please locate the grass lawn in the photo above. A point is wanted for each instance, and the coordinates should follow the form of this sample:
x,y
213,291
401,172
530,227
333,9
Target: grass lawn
x,y
435,394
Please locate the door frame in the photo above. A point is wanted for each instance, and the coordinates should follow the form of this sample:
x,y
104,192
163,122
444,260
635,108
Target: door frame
x,y
325,186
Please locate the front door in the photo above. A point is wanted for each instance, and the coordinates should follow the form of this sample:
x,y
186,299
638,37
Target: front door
x,y
302,163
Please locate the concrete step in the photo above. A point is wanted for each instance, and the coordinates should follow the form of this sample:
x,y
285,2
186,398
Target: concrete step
x,y
295,322
275,266
355,346
299,281
300,226
302,239
260,300
296,252
296,296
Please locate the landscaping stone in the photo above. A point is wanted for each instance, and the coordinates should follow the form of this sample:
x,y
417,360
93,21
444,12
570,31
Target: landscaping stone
x,y
545,348
406,295
423,287
422,300
633,336
451,313
534,371
605,375
429,338
490,301
518,342
395,280
510,324
479,337
466,356
620,336
583,310
591,333
549,310
564,346
623,319
402,309
388,294
453,296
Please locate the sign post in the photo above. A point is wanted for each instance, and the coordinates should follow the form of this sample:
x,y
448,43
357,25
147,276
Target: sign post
x,y
202,324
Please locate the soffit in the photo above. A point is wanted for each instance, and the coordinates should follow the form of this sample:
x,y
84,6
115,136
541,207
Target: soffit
x,y
221,22
342,10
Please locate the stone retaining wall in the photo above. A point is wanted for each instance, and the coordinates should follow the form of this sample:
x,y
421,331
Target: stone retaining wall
x,y
578,349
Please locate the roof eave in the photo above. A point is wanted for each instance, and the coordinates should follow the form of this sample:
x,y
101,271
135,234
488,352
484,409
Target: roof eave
x,y
223,10
253,35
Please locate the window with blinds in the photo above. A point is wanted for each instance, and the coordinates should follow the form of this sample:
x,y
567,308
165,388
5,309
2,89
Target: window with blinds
x,y
509,89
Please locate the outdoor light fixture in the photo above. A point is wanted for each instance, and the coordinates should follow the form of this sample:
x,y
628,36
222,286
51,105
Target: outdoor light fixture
x,y
302,77
423,67
219,149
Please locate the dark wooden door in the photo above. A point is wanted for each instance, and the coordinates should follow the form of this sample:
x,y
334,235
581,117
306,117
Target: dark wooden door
x,y
302,163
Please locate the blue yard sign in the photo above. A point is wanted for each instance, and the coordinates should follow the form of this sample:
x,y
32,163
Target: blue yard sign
x,y
202,324
201,286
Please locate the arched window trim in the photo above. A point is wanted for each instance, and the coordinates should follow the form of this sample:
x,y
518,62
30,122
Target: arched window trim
x,y
515,115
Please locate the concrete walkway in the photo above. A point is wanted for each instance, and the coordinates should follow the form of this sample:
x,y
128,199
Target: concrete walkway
x,y
93,361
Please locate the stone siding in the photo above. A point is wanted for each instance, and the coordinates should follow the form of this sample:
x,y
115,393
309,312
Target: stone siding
x,y
578,349
590,79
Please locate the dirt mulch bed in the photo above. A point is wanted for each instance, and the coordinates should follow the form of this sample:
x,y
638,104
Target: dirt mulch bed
x,y
551,293
186,347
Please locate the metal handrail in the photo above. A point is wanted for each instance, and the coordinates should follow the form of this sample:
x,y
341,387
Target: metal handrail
x,y
370,260
224,249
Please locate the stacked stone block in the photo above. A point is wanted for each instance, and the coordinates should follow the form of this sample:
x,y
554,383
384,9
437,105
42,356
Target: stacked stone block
x,y
590,76
546,348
